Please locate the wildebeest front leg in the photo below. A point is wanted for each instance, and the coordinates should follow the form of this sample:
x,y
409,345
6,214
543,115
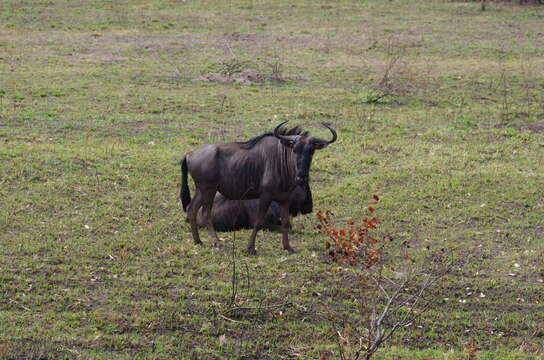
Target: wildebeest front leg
x,y
264,204
285,224
192,212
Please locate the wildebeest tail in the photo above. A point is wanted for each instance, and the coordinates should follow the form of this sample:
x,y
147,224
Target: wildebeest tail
x,y
184,194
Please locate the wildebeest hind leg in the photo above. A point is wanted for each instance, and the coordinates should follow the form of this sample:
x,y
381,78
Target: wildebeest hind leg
x,y
285,224
207,204
192,212
264,204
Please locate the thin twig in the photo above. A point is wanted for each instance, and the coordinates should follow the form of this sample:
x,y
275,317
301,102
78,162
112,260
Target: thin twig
x,y
229,319
340,346
18,304
257,307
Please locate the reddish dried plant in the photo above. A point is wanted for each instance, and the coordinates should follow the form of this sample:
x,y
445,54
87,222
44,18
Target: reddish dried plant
x,y
352,243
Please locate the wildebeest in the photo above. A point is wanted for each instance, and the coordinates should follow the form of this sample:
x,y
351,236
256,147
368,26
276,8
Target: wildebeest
x,y
232,215
267,167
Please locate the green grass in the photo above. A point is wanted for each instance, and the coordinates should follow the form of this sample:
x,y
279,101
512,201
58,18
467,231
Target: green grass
x,y
98,103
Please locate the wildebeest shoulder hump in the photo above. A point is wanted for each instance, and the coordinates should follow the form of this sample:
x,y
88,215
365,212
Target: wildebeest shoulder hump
x,y
296,130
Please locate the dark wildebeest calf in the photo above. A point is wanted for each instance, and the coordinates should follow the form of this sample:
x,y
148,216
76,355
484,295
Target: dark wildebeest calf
x,y
232,215
267,167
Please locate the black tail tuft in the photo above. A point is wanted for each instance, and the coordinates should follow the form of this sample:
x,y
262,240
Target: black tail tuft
x,y
185,194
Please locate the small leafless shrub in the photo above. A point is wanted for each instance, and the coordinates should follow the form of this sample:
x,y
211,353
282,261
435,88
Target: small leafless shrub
x,y
362,115
394,300
395,57
276,67
230,67
530,94
244,72
502,87
398,74
391,297
241,307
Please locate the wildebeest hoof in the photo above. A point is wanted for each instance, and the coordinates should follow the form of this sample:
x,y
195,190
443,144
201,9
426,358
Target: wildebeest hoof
x,y
217,245
250,251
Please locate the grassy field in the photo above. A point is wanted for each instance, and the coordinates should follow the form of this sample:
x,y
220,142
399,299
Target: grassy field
x,y
439,109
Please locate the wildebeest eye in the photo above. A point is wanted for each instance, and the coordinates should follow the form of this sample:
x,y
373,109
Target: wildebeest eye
x,y
299,147
288,143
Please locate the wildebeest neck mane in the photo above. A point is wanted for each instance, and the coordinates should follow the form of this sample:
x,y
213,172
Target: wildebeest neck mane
x,y
297,130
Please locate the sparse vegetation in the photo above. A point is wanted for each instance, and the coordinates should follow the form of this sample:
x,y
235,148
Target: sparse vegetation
x,y
98,102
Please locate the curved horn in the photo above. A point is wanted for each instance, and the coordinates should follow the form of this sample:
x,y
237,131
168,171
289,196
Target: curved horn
x,y
334,136
276,131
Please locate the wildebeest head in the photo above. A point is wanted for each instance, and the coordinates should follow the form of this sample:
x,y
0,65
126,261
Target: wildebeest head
x,y
304,147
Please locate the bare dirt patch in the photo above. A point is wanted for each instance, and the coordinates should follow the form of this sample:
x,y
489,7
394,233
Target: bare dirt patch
x,y
536,127
245,77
